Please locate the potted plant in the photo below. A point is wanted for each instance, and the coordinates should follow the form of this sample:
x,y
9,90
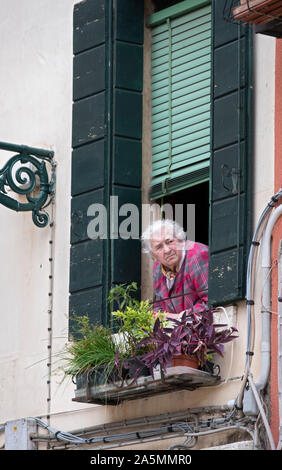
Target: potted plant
x,y
98,354
195,336
92,355
132,321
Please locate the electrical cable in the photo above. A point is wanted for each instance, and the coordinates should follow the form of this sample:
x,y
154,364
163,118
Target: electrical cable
x,y
262,412
247,377
225,428
71,438
50,294
250,291
232,347
118,440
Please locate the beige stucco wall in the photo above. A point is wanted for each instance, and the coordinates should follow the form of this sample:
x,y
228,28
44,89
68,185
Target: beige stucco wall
x,y
36,110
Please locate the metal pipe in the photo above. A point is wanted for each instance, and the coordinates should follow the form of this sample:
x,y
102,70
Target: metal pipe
x,y
25,149
266,299
225,428
249,295
264,418
250,292
279,326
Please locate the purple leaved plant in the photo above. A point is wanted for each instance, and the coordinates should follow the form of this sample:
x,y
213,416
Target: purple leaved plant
x,y
194,335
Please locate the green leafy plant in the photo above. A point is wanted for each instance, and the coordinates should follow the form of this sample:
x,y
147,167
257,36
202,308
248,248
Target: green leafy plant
x,y
131,324
122,295
94,347
133,317
113,348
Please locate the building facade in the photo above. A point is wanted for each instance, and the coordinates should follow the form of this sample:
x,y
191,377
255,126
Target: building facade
x,y
142,103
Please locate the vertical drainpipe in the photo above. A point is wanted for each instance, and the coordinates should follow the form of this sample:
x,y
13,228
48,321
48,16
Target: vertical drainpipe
x,y
279,325
266,299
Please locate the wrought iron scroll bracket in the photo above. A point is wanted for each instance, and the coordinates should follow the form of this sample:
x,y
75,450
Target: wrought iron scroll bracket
x,y
26,174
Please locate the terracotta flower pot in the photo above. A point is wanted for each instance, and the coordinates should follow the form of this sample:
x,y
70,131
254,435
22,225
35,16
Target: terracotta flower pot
x,y
184,360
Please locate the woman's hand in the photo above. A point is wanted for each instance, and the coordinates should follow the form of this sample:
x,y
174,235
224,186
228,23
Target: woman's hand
x,y
173,315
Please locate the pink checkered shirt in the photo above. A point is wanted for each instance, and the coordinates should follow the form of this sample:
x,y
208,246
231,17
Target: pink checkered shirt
x,y
190,286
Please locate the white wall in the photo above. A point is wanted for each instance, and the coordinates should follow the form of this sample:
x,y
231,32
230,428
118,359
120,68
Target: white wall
x,y
35,110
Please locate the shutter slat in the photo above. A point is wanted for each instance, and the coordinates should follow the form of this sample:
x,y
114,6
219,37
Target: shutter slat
x,y
182,69
184,123
181,82
189,27
185,99
195,156
186,18
183,19
178,34
181,64
199,150
186,78
190,89
190,145
179,58
182,111
180,48
185,171
183,134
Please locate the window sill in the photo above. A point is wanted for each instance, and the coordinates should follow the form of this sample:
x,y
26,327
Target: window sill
x,y
176,378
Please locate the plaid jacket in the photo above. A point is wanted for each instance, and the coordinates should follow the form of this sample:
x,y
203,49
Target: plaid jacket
x,y
189,289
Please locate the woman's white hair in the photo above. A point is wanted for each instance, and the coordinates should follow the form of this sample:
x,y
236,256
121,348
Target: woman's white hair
x,y
173,227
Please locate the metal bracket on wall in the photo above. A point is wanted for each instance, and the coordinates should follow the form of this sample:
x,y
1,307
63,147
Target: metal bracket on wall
x,y
26,174
227,173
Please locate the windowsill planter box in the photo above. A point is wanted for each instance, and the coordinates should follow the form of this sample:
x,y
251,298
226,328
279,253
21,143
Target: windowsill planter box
x,y
257,11
175,378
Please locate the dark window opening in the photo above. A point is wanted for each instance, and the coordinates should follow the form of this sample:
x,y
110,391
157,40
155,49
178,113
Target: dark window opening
x,y
198,195
162,4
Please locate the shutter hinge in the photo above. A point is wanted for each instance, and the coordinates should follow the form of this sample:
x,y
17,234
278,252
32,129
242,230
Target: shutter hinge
x,y
227,173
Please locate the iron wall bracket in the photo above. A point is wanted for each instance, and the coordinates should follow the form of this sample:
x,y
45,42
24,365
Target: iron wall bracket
x,y
26,174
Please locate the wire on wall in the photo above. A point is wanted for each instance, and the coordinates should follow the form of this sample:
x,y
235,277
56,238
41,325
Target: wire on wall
x,y
50,294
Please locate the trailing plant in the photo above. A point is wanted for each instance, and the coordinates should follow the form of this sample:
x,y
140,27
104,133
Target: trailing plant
x,y
194,335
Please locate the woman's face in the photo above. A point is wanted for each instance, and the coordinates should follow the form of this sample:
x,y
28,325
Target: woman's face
x,y
166,249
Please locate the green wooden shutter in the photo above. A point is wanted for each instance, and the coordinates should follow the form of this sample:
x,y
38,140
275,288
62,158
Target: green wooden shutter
x,y
107,146
181,77
231,159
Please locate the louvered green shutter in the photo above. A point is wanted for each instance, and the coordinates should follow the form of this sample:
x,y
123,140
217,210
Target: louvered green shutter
x,y
231,158
181,78
107,146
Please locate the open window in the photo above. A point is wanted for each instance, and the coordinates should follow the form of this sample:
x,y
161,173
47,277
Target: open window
x,y
201,131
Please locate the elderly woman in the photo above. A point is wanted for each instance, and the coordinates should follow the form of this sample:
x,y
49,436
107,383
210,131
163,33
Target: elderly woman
x,y
180,272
